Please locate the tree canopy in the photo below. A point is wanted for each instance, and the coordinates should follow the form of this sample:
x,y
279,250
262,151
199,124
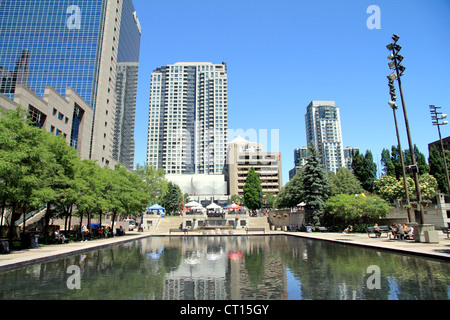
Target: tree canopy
x,y
365,170
252,190
315,188
344,182
392,189
437,167
343,209
38,169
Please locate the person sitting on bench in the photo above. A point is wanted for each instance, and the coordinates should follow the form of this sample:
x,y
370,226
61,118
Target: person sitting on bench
x,y
376,230
59,238
397,231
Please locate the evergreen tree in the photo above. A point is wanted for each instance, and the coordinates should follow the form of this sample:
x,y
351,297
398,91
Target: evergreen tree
x,y
365,170
388,165
420,160
437,168
252,190
173,198
315,188
396,161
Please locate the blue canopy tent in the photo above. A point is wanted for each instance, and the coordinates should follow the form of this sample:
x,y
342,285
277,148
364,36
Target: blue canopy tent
x,y
156,208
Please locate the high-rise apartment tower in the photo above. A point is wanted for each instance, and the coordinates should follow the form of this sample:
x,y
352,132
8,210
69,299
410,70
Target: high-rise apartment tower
x,y
323,129
188,118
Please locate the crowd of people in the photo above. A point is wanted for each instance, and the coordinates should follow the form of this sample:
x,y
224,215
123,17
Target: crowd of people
x,y
399,231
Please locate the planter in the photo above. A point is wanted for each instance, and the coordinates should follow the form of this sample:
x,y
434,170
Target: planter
x,y
425,233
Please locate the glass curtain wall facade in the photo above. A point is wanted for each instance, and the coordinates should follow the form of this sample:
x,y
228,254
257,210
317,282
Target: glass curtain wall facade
x,y
126,86
71,43
50,42
188,118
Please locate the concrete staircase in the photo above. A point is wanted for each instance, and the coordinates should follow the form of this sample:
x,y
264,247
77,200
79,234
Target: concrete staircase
x,y
259,222
166,224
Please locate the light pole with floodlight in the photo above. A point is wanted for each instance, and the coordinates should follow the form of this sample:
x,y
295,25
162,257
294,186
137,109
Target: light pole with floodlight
x,y
405,184
399,70
436,117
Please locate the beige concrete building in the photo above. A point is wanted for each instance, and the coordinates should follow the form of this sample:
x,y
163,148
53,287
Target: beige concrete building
x,y
69,116
242,156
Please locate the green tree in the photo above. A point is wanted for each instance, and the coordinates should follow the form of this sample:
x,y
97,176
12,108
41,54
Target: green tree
x,y
24,160
421,162
365,170
129,193
392,189
437,168
236,199
342,210
252,190
396,161
343,182
428,186
60,178
173,198
397,165
292,193
155,180
269,200
315,188
86,177
388,165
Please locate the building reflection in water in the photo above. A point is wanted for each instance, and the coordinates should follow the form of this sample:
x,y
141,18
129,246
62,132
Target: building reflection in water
x,y
231,268
220,268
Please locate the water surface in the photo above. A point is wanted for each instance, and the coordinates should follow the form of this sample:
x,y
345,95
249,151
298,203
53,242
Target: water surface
x,y
232,268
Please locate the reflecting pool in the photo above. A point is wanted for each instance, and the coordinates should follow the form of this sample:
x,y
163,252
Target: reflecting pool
x,y
231,267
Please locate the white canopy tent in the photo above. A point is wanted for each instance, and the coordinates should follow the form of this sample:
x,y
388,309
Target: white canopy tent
x,y
213,206
193,204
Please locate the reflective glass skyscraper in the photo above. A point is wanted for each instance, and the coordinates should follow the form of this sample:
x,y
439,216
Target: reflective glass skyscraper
x,y
67,43
61,39
126,86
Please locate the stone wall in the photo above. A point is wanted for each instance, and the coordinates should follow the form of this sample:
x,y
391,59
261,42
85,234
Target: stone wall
x,y
284,218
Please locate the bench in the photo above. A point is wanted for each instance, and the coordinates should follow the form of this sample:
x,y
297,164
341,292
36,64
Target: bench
x,y
446,231
399,236
323,229
60,239
255,229
178,230
383,230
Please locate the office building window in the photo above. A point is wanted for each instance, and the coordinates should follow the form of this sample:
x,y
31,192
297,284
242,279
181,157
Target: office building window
x,y
37,117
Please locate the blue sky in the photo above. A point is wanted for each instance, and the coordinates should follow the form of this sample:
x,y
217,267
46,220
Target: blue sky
x,y
283,54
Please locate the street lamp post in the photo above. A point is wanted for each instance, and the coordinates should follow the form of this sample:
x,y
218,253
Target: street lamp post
x,y
402,160
436,117
399,69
